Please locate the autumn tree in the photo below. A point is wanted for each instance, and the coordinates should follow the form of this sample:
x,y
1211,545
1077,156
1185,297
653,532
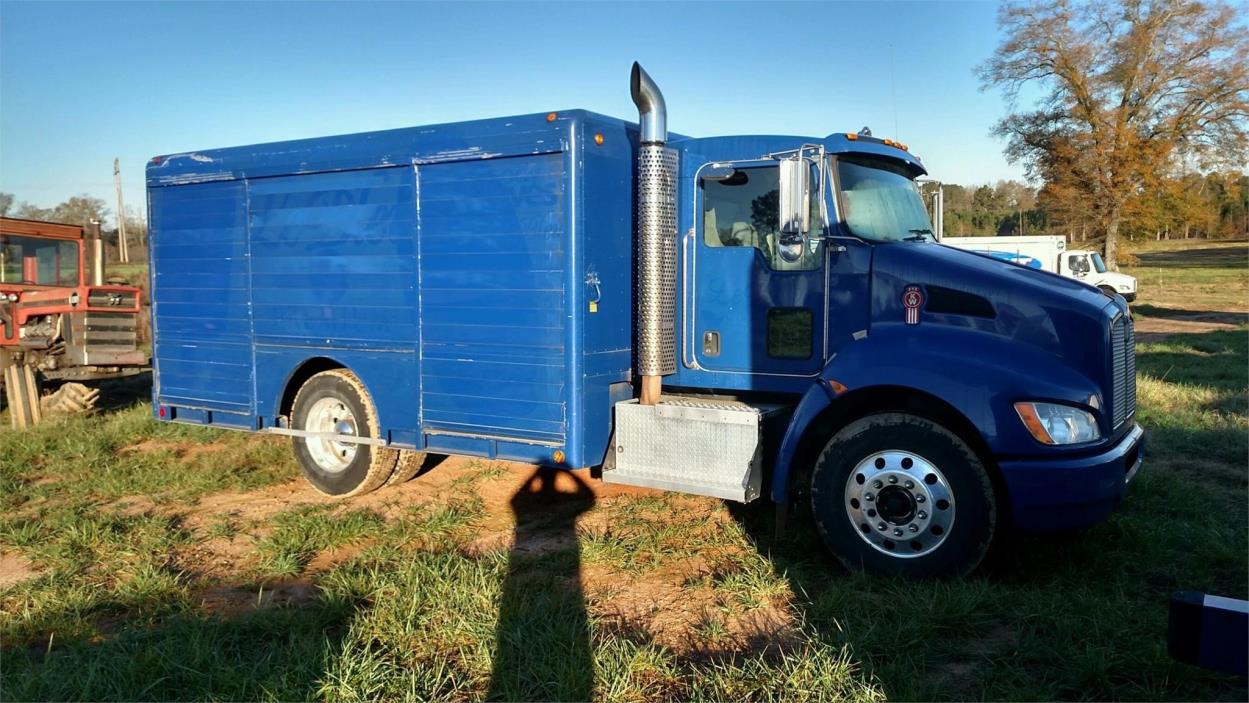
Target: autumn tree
x,y
1126,88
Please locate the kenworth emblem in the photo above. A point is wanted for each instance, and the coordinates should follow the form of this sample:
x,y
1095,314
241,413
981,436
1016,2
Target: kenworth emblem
x,y
912,299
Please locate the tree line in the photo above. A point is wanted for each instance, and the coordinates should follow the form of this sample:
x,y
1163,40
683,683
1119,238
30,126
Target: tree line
x,y
1195,205
82,210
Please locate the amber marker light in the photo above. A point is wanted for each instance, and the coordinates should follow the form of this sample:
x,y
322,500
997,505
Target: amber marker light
x,y
558,456
598,139
1027,413
551,117
852,136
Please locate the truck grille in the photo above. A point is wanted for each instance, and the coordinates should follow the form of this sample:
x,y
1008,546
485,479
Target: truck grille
x,y
1123,369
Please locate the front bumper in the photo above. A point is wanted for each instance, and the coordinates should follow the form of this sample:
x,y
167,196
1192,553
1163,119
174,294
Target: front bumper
x,y
1058,494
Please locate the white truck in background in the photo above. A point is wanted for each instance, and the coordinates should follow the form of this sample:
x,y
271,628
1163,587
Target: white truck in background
x,y
1050,253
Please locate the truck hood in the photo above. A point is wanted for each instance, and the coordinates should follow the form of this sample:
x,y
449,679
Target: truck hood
x,y
1122,282
963,289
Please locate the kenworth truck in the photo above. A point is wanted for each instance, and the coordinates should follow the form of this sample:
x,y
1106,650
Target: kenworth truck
x,y
1050,253
59,318
743,317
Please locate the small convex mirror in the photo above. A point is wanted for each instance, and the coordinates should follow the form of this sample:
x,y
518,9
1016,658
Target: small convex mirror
x,y
717,172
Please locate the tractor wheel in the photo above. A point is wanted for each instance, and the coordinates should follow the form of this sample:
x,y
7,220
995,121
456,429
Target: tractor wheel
x,y
336,402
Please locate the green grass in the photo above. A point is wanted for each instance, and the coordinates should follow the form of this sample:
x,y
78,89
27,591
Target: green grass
x,y
453,594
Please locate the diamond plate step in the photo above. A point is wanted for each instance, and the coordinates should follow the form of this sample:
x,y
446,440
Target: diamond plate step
x,y
706,447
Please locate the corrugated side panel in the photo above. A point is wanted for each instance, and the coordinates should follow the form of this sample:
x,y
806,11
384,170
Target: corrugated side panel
x,y
201,332
493,247
332,259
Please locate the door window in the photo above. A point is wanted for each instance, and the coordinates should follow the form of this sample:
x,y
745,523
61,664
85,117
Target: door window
x,y
743,211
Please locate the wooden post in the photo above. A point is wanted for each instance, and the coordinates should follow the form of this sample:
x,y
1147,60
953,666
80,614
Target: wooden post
x,y
123,250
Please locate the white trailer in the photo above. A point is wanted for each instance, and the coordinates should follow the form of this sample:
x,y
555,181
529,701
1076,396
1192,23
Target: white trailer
x,y
1050,253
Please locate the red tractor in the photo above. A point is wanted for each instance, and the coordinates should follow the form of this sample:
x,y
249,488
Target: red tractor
x,y
59,321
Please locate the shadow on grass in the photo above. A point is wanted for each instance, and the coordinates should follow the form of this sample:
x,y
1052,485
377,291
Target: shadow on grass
x,y
1218,316
543,637
276,654
1231,256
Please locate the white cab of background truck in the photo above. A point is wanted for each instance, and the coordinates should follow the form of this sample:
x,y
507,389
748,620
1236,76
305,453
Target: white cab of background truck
x,y
1050,253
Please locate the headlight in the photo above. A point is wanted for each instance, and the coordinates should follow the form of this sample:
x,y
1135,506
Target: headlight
x,y
1050,423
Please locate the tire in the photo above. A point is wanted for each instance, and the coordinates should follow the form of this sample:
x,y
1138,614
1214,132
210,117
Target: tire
x,y
410,463
322,404
932,488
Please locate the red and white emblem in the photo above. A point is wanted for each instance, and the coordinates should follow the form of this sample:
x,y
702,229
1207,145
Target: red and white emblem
x,y
912,300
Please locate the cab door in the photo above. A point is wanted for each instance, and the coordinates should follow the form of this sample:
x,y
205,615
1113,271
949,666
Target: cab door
x,y
753,312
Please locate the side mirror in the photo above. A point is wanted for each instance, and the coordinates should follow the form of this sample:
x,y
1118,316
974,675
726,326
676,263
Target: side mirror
x,y
795,196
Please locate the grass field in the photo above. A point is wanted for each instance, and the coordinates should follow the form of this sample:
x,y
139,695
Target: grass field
x,y
151,561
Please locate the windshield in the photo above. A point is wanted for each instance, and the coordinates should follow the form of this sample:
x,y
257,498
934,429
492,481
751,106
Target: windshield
x,y
879,201
32,260
1098,264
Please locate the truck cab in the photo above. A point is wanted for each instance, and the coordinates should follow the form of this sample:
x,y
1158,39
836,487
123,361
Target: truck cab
x,y
1088,267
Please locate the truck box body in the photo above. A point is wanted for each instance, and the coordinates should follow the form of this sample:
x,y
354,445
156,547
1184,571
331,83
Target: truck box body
x,y
447,264
575,290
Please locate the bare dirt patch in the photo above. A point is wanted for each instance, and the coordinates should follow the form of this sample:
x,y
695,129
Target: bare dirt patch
x,y
1157,329
234,601
14,569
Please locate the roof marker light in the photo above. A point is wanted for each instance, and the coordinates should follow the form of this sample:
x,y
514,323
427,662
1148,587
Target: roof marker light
x,y
551,117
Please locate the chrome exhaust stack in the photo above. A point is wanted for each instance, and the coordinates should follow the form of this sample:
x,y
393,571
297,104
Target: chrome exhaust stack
x,y
656,238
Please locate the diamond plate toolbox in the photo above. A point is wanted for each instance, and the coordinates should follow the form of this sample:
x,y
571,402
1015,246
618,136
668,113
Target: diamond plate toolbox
x,y
704,447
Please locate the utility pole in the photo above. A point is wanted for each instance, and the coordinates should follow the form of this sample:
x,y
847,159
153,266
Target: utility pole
x,y
122,250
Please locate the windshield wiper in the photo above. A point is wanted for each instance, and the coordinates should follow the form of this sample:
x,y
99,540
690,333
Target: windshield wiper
x,y
918,235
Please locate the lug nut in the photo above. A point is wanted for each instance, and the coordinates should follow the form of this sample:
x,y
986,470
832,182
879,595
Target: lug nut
x,y
897,532
922,515
909,485
880,526
919,498
877,484
893,479
913,527
869,497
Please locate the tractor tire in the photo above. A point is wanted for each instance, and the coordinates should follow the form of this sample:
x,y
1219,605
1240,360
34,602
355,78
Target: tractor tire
x,y
70,399
336,401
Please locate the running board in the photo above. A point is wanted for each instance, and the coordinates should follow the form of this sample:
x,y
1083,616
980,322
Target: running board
x,y
691,445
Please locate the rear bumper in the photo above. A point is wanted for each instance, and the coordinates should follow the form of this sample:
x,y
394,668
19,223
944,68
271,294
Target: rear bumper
x,y
1050,494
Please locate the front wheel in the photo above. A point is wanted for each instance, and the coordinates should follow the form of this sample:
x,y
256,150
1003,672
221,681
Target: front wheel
x,y
899,494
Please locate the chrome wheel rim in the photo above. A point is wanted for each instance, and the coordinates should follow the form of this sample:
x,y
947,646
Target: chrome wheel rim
x,y
899,503
331,415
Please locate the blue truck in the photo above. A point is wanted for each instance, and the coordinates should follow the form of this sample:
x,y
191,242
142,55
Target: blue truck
x,y
744,317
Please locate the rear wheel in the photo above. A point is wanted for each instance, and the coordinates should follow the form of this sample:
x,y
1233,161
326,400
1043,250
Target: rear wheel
x,y
336,403
410,463
899,494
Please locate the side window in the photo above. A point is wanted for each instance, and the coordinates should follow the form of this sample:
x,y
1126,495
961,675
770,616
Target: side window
x,y
742,211
790,333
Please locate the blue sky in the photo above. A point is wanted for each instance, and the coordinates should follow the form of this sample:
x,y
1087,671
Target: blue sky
x,y
81,83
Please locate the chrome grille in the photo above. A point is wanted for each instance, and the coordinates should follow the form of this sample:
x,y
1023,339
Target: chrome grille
x,y
1123,369
109,331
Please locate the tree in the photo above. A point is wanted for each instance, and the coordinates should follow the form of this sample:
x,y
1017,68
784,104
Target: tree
x,y
80,210
6,202
1130,87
